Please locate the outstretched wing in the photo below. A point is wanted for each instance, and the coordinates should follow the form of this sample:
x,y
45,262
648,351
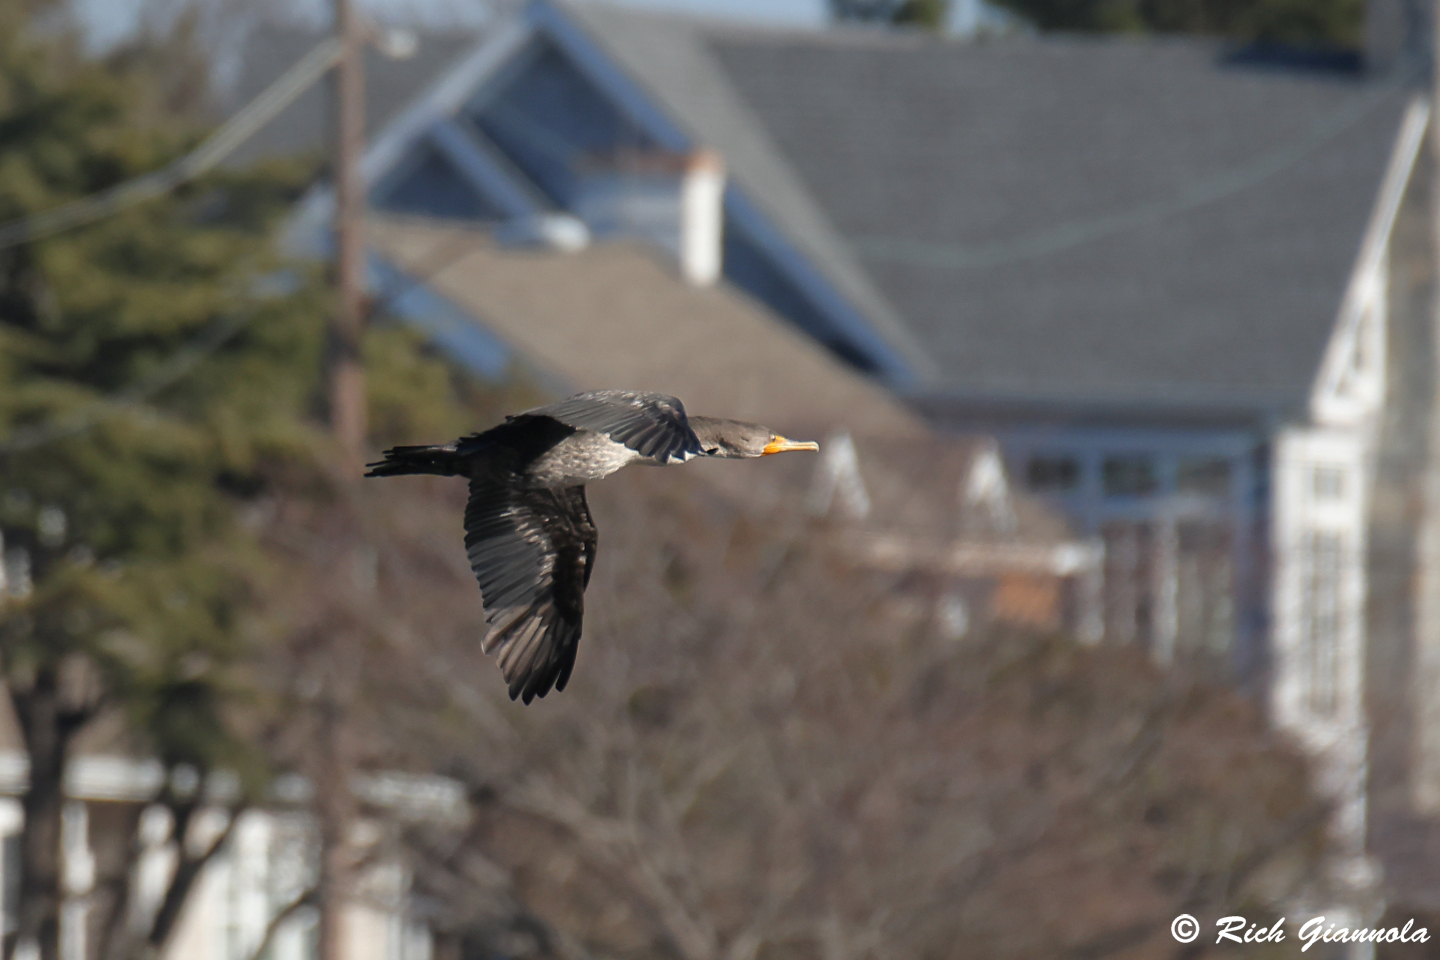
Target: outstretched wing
x,y
651,424
532,551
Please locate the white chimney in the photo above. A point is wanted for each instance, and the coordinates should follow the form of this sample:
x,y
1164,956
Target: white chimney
x,y
674,200
702,217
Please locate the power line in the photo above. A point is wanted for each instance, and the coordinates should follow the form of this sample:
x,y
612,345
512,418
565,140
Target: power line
x,y
212,151
184,361
215,148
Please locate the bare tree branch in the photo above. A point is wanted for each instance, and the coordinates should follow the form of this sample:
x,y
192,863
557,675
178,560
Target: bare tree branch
x,y
306,898
187,870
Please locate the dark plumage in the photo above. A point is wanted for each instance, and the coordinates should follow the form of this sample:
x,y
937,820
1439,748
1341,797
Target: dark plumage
x,y
528,530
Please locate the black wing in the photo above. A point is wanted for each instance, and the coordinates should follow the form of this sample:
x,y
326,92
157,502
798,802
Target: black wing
x,y
532,551
651,424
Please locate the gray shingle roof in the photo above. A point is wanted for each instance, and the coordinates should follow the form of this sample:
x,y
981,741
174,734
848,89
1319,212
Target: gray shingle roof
x,y
304,126
614,314
1107,219
1093,217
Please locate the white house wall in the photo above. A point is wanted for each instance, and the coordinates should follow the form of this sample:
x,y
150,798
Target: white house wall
x,y
1323,474
264,867
261,871
1319,542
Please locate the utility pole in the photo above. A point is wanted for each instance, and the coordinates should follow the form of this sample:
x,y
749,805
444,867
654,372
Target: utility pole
x,y
334,804
346,373
335,815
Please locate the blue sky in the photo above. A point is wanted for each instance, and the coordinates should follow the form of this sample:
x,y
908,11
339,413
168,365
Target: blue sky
x,y
108,21
807,12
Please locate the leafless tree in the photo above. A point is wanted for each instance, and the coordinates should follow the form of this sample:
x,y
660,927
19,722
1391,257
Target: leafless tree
x,y
761,756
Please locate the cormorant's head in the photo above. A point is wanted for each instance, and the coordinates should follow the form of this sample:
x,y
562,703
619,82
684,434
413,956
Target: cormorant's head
x,y
737,440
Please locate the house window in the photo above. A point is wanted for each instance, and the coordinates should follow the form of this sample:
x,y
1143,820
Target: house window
x,y
1129,476
1205,476
1052,474
1328,483
1321,558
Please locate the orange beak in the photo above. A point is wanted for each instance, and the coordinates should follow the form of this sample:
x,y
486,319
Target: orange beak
x,y
781,445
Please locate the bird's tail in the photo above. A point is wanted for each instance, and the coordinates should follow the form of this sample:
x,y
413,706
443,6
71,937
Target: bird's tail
x,y
442,461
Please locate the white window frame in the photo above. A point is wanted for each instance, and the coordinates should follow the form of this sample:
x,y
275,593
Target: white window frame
x,y
1304,513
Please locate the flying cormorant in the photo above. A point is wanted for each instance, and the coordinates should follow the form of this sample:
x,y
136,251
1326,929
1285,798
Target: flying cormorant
x,y
528,530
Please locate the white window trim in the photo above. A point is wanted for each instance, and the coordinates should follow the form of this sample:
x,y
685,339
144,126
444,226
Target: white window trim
x,y
1351,381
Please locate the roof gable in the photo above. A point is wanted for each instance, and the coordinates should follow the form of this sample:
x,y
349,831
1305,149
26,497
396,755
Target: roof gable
x,y
669,65
659,71
508,127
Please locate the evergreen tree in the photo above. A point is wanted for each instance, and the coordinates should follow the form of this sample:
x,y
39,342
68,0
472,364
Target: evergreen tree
x,y
929,14
146,381
1335,23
